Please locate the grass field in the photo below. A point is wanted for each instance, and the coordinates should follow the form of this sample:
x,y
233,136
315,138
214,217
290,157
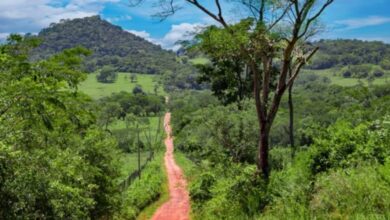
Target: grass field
x,y
98,90
199,60
150,129
130,163
336,79
130,160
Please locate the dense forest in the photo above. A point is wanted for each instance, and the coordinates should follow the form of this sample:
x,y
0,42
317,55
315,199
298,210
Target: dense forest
x,y
266,124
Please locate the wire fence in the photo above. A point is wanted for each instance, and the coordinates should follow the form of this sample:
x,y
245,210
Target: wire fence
x,y
134,175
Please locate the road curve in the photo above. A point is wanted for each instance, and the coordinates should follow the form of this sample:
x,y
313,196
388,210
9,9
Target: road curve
x,y
178,205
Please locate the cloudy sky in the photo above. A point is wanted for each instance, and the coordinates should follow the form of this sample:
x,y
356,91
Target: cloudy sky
x,y
360,19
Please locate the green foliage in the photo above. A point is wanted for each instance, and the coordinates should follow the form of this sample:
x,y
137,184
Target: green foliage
x,y
138,90
229,192
289,189
385,63
107,74
343,134
111,46
143,191
55,163
345,146
219,132
350,52
184,103
360,193
357,71
139,104
98,90
115,47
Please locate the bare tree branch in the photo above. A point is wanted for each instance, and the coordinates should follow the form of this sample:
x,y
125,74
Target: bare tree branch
x,y
314,17
217,18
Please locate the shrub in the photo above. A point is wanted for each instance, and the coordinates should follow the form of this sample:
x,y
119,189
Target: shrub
x,y
352,194
289,190
357,71
344,145
347,74
228,192
107,74
138,90
378,73
385,64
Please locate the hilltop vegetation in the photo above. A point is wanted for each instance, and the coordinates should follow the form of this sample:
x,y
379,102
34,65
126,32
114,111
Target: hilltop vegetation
x,y
110,44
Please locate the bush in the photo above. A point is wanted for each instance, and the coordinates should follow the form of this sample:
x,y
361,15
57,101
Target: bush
x,y
378,73
385,64
289,190
107,74
359,71
359,193
138,90
344,145
347,74
229,192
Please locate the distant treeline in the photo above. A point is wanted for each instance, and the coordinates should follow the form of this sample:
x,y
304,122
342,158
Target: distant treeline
x,y
350,52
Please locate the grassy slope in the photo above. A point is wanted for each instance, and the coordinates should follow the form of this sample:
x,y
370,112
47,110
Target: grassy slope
x,y
199,60
333,75
98,90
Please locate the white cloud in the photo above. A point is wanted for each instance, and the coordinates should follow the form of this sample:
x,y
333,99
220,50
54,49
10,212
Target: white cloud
x,y
3,36
142,34
183,31
363,22
30,16
145,35
119,18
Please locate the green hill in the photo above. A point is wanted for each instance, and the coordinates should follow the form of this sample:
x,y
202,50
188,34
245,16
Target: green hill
x,y
111,45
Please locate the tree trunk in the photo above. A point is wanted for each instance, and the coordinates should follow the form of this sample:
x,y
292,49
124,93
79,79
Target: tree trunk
x,y
263,148
291,121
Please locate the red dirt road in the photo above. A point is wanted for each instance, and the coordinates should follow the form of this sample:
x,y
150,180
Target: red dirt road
x,y
178,205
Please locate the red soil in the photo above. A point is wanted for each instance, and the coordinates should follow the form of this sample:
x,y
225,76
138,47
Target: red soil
x,y
178,205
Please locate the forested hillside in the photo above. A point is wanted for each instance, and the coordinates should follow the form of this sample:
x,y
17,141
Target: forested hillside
x,y
110,44
113,46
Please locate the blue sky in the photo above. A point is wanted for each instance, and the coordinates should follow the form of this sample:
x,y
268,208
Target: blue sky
x,y
360,19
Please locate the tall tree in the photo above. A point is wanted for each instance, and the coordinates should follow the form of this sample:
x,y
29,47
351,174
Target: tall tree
x,y
262,44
